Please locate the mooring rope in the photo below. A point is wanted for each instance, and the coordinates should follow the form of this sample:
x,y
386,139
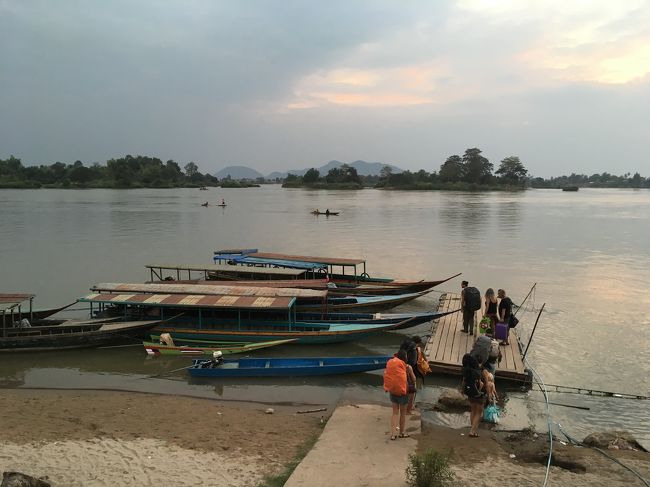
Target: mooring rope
x,y
549,421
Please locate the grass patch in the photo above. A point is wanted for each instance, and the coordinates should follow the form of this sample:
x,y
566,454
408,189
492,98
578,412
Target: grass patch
x,y
280,478
430,469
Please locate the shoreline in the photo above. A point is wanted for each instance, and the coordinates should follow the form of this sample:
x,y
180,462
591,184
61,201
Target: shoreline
x,y
89,437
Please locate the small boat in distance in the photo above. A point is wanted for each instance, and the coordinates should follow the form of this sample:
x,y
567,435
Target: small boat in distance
x,y
203,188
326,213
291,367
206,204
570,188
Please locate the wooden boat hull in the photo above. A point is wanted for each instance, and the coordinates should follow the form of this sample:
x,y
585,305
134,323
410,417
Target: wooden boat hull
x,y
360,303
292,367
322,334
404,320
202,347
69,335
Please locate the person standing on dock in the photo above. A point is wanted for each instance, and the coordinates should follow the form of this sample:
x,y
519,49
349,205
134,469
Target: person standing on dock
x,y
470,303
504,311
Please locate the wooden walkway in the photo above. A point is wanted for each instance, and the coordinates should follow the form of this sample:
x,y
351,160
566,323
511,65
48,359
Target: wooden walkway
x,y
447,345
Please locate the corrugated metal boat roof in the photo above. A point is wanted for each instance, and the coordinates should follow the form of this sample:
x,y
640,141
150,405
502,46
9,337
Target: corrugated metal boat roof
x,y
292,283
228,268
289,264
191,300
305,258
8,301
297,258
208,289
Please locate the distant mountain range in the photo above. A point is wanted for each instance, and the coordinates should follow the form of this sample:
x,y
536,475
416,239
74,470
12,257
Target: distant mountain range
x,y
238,172
363,169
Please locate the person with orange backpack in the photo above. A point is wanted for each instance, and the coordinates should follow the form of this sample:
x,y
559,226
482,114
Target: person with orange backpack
x,y
396,376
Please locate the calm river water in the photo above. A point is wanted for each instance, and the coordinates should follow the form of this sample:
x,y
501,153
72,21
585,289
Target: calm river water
x,y
588,252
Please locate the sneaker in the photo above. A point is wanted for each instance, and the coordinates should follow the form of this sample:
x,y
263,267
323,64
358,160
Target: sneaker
x,y
463,331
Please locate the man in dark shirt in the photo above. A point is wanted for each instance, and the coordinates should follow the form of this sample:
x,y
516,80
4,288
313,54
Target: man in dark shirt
x,y
504,311
468,312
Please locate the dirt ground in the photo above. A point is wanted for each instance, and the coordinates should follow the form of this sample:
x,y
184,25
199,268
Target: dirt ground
x,y
114,438
486,461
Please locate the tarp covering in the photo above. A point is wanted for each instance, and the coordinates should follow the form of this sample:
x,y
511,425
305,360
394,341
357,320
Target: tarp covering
x,y
292,264
191,300
224,289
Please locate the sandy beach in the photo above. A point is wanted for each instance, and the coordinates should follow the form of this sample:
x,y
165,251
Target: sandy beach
x,y
91,438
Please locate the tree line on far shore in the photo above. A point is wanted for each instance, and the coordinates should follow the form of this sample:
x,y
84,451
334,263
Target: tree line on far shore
x,y
125,172
471,171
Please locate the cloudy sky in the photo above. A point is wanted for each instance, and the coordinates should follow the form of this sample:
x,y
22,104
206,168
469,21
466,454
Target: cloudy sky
x,y
279,85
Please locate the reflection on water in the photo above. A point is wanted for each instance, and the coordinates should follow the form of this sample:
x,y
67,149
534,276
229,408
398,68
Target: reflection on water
x,y
587,251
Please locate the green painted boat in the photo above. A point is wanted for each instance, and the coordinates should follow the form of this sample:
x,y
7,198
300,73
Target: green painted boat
x,y
205,347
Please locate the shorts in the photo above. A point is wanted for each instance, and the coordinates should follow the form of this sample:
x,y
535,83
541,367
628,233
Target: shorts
x,y
477,399
403,400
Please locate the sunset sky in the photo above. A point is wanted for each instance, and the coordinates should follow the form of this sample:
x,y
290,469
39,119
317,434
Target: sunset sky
x,y
278,85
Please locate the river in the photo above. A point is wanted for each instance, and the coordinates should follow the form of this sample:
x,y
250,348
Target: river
x,y
588,252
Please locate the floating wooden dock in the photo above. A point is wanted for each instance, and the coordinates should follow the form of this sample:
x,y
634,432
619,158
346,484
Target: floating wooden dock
x,y
447,345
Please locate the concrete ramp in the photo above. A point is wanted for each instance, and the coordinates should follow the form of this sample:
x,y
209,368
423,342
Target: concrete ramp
x,y
355,450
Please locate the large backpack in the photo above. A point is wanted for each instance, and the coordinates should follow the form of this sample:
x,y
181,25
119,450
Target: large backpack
x,y
481,349
395,377
423,364
472,298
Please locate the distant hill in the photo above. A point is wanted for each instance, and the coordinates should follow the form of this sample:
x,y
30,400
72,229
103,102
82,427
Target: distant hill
x,y
239,172
363,169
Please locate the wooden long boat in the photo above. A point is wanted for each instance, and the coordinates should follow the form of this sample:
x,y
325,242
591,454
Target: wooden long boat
x,y
333,289
72,334
12,309
404,320
338,270
306,299
277,367
314,334
204,347
361,303
200,317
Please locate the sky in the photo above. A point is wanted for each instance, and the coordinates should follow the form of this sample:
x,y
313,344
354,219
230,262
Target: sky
x,y
279,85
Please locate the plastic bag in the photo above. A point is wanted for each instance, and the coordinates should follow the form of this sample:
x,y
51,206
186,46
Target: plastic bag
x,y
491,413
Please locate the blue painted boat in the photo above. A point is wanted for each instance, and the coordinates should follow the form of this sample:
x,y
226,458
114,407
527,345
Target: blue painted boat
x,y
276,367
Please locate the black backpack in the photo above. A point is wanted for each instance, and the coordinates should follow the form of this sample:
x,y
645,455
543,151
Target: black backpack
x,y
472,299
411,353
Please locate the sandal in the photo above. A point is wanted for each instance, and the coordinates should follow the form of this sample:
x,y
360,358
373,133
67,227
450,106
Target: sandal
x,y
404,435
393,437
473,435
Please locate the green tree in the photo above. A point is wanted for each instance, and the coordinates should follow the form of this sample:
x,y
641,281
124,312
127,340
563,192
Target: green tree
x,y
451,170
512,170
311,176
476,168
191,169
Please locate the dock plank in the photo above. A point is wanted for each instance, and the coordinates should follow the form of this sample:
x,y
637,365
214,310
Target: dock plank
x,y
447,345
